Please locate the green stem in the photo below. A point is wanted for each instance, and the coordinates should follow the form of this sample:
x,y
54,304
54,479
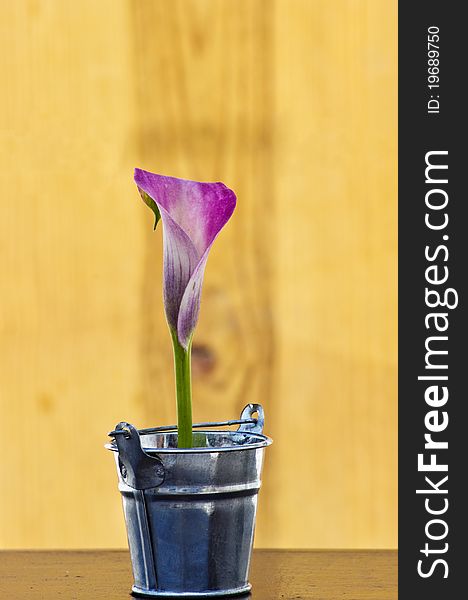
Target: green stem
x,y
183,376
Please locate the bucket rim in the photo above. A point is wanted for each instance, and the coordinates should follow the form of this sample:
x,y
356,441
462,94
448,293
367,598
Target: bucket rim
x,y
261,441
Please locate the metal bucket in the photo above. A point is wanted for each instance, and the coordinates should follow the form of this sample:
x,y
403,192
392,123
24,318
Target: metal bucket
x,y
190,513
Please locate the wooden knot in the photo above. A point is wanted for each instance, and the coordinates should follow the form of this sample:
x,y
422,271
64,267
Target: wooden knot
x,y
203,359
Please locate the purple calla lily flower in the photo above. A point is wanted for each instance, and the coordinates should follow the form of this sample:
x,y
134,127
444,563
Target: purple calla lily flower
x,y
193,213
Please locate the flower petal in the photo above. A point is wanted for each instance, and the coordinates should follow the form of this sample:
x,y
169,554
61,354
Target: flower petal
x,y
200,209
180,261
193,213
190,304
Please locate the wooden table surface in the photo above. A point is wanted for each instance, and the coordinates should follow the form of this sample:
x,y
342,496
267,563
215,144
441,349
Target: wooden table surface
x,y
276,575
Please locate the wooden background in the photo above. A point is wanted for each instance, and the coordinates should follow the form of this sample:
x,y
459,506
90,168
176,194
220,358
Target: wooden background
x,y
292,103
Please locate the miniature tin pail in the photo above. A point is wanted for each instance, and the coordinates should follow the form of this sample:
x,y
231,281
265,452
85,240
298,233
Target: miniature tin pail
x,y
190,512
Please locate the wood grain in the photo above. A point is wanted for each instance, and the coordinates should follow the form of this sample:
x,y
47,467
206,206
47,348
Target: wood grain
x,y
275,575
293,104
336,296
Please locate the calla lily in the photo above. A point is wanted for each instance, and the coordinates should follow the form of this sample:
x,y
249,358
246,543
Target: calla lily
x,y
192,214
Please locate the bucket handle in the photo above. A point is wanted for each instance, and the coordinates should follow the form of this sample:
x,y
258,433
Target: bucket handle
x,y
247,422
141,471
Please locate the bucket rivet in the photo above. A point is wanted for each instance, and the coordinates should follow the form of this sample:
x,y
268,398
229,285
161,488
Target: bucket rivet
x,y
123,470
